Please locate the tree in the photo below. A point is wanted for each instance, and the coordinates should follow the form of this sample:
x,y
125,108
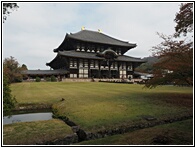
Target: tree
x,y
37,79
24,67
8,101
6,9
175,65
12,70
53,78
184,19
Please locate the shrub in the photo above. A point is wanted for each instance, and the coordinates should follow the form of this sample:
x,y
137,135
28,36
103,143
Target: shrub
x,y
48,79
53,78
9,101
37,79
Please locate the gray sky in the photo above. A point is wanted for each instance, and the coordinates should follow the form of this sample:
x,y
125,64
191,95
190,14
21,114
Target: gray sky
x,y
32,32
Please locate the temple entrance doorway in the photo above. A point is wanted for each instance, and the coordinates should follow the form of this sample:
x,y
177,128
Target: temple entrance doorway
x,y
94,73
104,74
114,74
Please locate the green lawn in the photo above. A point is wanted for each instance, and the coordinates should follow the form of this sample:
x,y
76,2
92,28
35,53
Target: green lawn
x,y
95,106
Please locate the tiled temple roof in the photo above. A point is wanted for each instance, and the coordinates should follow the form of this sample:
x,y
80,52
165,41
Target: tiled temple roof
x,y
85,55
97,37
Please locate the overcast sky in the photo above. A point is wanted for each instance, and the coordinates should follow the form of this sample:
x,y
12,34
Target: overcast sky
x,y
32,32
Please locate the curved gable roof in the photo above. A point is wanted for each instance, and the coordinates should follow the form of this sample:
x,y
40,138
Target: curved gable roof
x,y
97,37
77,54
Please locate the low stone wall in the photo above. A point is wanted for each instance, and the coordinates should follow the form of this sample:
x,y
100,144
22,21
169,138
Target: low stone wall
x,y
132,81
130,128
76,80
80,135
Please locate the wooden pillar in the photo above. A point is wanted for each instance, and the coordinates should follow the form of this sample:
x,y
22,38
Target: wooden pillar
x,y
78,60
99,71
89,67
109,69
118,65
126,68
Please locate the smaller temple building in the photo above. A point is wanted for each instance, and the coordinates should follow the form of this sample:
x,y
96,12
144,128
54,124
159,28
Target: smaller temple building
x,y
92,54
31,75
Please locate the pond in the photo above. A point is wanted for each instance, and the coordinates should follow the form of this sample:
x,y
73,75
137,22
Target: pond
x,y
27,117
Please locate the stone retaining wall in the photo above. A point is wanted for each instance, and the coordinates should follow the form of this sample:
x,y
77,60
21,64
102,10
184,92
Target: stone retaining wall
x,y
132,81
74,138
76,80
130,128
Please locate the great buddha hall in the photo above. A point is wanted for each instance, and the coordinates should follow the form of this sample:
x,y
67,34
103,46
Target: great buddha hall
x,y
92,54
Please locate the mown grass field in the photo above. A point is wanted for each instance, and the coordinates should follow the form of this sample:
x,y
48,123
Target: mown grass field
x,y
98,105
95,105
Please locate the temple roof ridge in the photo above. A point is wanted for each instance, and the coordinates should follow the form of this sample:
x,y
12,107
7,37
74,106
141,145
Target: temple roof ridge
x,y
99,37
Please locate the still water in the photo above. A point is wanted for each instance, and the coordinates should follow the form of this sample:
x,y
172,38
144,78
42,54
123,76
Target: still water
x,y
27,117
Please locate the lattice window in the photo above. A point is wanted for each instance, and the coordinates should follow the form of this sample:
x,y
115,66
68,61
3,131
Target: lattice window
x,y
81,63
123,65
92,63
86,63
114,65
123,74
73,63
129,67
73,75
83,73
96,64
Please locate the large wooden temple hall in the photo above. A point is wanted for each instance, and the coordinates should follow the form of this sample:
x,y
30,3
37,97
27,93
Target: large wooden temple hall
x,y
93,54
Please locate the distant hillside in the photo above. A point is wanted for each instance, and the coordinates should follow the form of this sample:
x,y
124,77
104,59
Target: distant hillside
x,y
151,59
148,66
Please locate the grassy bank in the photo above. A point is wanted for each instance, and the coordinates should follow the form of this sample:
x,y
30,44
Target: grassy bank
x,y
29,133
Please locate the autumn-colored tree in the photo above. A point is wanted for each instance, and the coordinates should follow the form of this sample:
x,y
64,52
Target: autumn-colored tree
x,y
6,9
175,65
11,74
12,70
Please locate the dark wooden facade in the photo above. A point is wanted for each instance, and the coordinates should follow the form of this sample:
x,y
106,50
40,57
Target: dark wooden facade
x,y
90,54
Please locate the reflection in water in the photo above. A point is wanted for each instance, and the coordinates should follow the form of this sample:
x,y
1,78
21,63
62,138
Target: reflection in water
x,y
27,117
